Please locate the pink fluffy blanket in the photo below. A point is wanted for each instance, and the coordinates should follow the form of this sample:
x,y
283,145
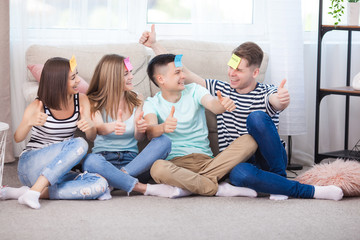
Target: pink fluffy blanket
x,y
344,174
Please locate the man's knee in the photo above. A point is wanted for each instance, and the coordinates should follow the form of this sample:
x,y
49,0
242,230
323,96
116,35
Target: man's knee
x,y
243,174
159,170
251,144
257,120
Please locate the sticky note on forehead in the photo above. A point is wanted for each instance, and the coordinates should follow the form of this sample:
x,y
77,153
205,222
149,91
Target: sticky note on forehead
x,y
177,60
127,63
73,63
234,61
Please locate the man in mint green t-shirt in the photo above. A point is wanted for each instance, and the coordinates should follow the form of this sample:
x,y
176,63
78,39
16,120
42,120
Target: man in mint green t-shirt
x,y
178,111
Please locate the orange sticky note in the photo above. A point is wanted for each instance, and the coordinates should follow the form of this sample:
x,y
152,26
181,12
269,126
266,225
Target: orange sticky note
x,y
73,63
234,61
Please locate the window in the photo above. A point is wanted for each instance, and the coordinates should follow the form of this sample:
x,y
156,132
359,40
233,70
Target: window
x,y
187,11
71,14
169,11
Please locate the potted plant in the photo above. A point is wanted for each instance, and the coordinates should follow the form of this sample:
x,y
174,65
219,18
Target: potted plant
x,y
337,10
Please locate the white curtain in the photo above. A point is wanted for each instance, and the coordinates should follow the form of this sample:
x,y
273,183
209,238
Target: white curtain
x,y
277,28
287,60
57,22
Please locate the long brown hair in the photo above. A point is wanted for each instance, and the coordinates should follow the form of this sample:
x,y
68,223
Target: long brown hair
x,y
53,83
107,86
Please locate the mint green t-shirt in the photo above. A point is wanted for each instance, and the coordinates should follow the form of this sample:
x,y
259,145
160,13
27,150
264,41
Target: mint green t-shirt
x,y
191,133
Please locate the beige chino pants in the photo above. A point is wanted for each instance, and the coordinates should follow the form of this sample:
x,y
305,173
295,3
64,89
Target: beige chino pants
x,y
199,173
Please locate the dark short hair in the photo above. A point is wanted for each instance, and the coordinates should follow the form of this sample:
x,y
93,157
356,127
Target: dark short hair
x,y
158,61
251,52
53,82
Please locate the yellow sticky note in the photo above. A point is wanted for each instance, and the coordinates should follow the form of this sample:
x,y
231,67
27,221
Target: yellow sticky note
x,y
73,63
234,61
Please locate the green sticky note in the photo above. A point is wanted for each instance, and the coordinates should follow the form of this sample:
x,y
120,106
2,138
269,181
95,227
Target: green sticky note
x,y
234,61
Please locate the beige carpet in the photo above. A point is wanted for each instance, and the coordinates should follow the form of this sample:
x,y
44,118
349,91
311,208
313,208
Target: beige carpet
x,y
196,217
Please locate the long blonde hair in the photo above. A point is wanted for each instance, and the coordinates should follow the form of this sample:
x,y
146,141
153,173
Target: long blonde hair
x,y
107,86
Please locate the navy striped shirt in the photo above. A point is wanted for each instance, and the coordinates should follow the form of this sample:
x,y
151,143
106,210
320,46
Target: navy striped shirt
x,y
231,125
54,130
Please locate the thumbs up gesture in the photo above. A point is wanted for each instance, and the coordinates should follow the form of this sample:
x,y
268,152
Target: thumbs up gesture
x,y
148,38
283,94
170,122
226,102
120,126
141,124
38,118
85,122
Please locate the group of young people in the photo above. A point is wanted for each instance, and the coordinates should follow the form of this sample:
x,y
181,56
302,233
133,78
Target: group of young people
x,y
178,155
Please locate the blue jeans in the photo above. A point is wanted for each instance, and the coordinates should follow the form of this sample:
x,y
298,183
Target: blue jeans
x,y
110,164
265,171
55,162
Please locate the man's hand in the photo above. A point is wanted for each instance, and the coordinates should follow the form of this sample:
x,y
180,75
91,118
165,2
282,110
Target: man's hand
x,y
281,99
170,122
148,38
283,94
120,126
226,102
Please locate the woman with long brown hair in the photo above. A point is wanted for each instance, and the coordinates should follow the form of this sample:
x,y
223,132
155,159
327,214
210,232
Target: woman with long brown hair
x,y
53,151
117,112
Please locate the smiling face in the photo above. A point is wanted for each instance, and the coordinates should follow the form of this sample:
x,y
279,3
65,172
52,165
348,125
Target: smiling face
x,y
171,78
128,77
73,82
243,77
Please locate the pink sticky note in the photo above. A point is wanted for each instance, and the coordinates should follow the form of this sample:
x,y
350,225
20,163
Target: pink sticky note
x,y
127,63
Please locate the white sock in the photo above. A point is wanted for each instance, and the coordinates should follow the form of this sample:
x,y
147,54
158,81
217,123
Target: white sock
x,y
160,190
227,190
106,195
328,192
179,192
30,198
278,197
12,193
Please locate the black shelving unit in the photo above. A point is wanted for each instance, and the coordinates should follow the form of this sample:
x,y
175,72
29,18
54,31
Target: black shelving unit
x,y
347,91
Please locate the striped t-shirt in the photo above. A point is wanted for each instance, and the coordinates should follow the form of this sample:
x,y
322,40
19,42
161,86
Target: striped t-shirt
x,y
54,130
231,125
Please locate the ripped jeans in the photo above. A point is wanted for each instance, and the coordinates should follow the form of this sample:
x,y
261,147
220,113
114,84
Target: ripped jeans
x,y
110,164
55,162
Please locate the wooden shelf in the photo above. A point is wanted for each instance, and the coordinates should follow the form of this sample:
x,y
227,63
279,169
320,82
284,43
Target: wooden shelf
x,y
345,154
346,90
341,27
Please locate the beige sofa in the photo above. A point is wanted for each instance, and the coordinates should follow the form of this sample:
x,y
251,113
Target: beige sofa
x,y
207,59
